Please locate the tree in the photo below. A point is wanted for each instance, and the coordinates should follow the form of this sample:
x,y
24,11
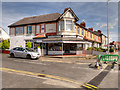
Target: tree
x,y
5,44
29,45
1,45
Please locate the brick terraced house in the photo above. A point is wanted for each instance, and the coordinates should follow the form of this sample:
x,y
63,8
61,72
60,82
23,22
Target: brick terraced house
x,y
56,33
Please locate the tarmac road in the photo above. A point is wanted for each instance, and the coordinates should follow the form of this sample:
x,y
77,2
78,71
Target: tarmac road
x,y
24,73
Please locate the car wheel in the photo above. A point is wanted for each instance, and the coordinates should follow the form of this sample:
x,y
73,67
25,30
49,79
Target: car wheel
x,y
28,57
12,55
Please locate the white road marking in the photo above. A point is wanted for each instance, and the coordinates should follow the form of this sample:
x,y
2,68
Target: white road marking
x,y
31,62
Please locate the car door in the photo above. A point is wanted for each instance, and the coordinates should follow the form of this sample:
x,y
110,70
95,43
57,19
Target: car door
x,y
23,53
18,52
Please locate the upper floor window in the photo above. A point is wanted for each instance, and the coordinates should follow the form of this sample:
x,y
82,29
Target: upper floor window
x,y
61,25
29,29
87,34
82,32
78,30
0,32
42,28
19,30
91,35
68,25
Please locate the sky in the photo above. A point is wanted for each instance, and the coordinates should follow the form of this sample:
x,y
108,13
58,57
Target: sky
x,y
93,13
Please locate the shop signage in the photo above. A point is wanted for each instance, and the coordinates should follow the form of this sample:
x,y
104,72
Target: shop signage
x,y
53,36
52,41
75,42
69,36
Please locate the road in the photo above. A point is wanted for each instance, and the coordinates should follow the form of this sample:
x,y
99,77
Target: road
x,y
24,73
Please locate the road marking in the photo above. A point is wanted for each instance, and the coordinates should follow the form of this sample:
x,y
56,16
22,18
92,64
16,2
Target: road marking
x,y
36,62
88,87
31,62
36,74
91,85
98,79
63,62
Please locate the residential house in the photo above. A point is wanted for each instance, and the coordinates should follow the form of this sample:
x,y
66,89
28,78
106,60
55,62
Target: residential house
x,y
3,34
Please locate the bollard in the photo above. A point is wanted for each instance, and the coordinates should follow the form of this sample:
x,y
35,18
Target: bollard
x,y
97,64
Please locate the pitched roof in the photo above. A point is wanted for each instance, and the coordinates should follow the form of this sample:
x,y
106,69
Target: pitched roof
x,y
88,29
37,19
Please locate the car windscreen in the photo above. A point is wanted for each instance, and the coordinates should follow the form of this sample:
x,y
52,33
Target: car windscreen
x,y
29,49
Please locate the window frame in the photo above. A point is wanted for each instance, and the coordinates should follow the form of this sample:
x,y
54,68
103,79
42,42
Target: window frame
x,y
42,28
29,29
71,25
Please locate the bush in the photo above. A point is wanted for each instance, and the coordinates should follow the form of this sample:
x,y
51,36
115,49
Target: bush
x,y
111,50
29,45
5,44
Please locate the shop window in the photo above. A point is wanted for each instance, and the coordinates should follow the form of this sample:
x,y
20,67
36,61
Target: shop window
x,y
79,46
29,29
42,28
19,30
55,47
68,25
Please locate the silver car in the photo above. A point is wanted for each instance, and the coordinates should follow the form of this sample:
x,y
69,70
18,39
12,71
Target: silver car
x,y
24,53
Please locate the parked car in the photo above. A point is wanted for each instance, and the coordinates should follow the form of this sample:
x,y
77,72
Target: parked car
x,y
24,53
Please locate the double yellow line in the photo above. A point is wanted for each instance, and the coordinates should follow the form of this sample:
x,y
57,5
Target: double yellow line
x,y
39,74
89,86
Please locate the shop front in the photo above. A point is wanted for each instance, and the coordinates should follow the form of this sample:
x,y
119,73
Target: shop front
x,y
63,47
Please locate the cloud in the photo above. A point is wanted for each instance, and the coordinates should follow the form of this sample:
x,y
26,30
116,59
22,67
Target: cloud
x,y
111,25
103,25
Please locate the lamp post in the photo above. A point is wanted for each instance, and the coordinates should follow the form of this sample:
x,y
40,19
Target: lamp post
x,y
107,28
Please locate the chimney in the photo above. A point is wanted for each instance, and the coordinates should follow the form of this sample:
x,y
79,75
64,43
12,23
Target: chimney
x,y
90,29
99,31
83,24
66,9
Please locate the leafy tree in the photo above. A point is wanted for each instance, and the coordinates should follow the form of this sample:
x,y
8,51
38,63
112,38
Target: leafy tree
x,y
29,45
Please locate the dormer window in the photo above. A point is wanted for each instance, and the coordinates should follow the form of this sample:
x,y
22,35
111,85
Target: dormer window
x,y
68,25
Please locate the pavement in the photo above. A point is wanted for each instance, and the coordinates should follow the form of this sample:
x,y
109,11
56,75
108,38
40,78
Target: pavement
x,y
54,73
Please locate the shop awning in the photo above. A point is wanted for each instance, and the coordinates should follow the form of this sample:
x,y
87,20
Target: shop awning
x,y
40,36
64,40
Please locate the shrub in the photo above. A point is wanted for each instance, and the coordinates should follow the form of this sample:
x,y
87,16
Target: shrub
x,y
111,50
29,45
5,44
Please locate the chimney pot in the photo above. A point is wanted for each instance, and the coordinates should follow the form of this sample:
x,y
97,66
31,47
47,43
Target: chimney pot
x,y
83,24
90,29
99,31
66,9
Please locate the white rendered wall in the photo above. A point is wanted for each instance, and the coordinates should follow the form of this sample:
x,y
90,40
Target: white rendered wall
x,y
17,41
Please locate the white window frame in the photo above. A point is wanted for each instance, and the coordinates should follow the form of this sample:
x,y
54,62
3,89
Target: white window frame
x,y
42,29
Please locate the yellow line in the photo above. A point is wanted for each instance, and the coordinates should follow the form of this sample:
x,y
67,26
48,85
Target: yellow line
x,y
36,74
92,86
88,87
56,61
63,62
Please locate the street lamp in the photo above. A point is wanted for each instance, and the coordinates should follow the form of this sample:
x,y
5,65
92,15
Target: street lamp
x,y
107,27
